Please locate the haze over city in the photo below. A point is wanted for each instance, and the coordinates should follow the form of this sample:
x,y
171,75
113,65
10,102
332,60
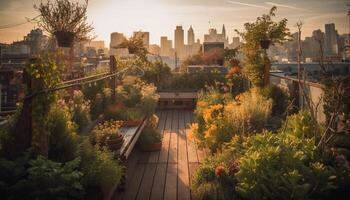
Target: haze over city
x,y
160,17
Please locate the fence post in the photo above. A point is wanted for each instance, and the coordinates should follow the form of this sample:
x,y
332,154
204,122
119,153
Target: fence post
x,y
113,67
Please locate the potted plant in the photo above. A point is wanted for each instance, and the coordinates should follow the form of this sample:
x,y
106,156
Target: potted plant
x,y
65,20
108,134
150,139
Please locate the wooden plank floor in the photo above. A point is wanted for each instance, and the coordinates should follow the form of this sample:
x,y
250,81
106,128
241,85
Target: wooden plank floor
x,y
165,174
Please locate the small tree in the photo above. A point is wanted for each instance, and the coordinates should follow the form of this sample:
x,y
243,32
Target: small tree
x,y
262,30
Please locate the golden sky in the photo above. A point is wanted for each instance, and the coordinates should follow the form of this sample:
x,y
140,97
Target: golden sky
x,y
160,17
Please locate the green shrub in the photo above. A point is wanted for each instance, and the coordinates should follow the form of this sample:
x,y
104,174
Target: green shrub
x,y
40,178
150,135
63,139
284,167
51,180
279,98
80,110
99,167
302,125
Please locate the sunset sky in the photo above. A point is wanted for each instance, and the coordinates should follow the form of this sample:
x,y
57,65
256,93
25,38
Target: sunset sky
x,y
160,17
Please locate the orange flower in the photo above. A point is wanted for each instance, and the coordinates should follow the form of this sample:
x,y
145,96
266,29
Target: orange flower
x,y
219,170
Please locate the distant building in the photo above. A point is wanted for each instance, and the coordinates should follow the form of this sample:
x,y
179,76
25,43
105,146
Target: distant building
x,y
331,40
207,46
190,36
179,41
214,36
144,36
165,46
235,42
116,40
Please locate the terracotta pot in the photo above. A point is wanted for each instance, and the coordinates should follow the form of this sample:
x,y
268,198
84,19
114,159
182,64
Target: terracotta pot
x,y
151,147
265,44
129,123
64,38
116,143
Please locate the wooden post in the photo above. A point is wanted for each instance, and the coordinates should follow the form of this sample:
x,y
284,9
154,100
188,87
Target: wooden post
x,y
113,67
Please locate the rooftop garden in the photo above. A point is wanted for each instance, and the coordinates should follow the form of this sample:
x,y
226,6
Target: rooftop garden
x,y
64,141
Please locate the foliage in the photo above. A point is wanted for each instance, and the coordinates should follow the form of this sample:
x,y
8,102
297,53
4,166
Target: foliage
x,y
64,15
51,180
303,125
135,45
264,28
44,74
279,99
212,180
214,57
150,136
28,178
156,73
8,141
63,140
80,109
218,118
105,131
286,165
99,167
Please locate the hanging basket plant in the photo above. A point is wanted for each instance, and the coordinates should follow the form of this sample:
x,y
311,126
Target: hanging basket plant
x,y
65,20
64,39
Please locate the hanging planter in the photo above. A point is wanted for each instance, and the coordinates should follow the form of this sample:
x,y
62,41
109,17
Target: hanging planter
x,y
265,44
64,38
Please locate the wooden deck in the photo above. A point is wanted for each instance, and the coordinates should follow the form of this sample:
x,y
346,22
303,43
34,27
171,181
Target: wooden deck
x,y
165,174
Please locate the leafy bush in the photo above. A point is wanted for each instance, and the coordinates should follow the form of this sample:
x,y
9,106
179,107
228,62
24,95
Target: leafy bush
x,y
150,136
80,110
63,139
284,167
278,96
302,125
40,178
218,118
51,180
99,167
275,166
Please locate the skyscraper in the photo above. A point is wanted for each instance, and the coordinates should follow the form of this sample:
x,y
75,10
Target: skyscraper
x,y
165,46
179,40
331,40
190,36
223,31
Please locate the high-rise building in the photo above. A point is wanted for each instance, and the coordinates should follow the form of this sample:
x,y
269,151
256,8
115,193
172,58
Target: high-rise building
x,y
223,32
144,36
179,41
331,40
116,40
165,46
190,36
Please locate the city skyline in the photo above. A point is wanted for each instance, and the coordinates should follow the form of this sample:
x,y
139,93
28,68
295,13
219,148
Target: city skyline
x,y
164,16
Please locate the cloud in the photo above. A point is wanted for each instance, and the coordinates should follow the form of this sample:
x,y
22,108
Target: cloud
x,y
286,6
248,4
